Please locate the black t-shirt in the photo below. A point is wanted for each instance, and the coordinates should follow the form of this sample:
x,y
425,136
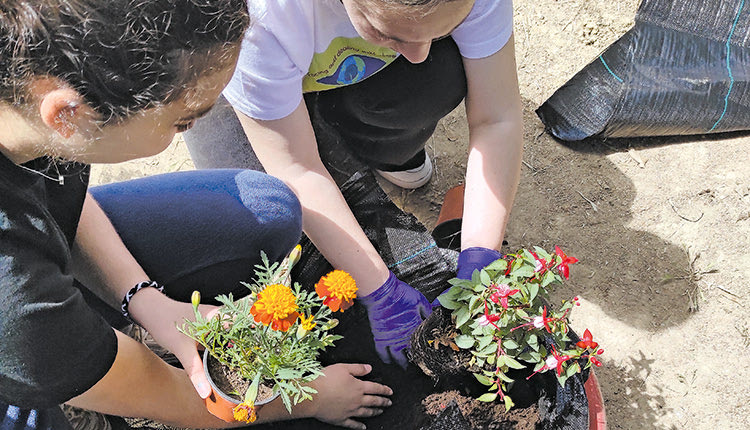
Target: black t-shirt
x,y
53,346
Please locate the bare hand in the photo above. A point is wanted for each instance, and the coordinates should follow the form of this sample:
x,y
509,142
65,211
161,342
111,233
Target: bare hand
x,y
343,396
161,316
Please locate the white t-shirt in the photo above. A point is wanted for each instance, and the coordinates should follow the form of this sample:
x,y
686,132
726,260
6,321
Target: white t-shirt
x,y
298,46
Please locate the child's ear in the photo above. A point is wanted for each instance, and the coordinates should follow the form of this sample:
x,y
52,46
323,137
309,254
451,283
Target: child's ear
x,y
59,109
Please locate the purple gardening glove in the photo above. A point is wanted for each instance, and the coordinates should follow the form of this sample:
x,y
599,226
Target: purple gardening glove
x,y
471,259
476,258
395,310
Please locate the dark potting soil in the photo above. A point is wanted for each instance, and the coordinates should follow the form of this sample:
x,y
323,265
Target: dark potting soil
x,y
478,415
419,401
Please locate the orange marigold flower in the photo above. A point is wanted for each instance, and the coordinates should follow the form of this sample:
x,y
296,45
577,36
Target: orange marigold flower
x,y
277,306
245,413
307,323
338,290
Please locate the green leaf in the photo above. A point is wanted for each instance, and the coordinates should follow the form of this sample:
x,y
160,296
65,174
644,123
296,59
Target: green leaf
x,y
548,278
485,278
521,314
526,255
512,363
464,294
532,340
487,397
447,302
252,392
475,303
499,265
476,277
287,401
510,344
533,289
542,253
478,288
463,341
573,369
463,284
462,317
484,341
524,271
508,403
284,373
489,349
483,379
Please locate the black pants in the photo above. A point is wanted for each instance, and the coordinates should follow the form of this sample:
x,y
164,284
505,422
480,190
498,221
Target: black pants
x,y
384,120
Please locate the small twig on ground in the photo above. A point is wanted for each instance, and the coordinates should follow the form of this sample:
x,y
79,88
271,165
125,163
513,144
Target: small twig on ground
x,y
681,216
593,205
727,291
528,165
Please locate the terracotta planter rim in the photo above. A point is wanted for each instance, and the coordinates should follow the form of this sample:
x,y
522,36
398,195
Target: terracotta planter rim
x,y
453,205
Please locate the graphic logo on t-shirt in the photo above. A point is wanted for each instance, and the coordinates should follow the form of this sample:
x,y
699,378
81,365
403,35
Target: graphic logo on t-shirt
x,y
353,69
346,61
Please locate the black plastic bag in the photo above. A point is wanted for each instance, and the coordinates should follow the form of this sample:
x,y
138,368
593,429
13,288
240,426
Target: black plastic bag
x,y
683,69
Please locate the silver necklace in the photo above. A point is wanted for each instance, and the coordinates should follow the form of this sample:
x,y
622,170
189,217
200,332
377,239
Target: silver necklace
x,y
60,179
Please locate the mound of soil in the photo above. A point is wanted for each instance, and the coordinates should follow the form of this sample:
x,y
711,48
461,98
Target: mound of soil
x,y
441,408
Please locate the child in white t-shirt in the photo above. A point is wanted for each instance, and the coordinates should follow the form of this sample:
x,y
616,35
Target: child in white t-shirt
x,y
302,56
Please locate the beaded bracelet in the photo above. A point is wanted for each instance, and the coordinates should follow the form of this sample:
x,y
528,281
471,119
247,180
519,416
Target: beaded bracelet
x,y
131,292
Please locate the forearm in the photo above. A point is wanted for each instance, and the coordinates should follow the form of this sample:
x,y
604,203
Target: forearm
x,y
494,114
100,259
288,150
139,384
492,174
329,223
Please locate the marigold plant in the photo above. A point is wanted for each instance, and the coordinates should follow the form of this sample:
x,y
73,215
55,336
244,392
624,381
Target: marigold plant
x,y
503,317
273,336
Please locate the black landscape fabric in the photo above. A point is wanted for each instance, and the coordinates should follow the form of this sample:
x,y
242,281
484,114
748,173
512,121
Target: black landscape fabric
x,y
683,69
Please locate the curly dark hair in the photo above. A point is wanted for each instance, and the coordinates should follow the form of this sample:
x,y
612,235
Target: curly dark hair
x,y
122,56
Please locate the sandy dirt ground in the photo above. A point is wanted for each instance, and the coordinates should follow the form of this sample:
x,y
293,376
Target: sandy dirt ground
x,y
661,227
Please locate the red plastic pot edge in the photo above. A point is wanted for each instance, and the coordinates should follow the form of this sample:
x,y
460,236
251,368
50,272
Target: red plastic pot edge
x,y
597,416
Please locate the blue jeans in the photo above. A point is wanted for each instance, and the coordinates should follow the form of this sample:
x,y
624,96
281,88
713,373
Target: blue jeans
x,y
13,418
196,230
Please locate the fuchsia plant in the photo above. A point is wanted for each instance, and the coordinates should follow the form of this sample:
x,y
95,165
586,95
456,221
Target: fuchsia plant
x,y
503,317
